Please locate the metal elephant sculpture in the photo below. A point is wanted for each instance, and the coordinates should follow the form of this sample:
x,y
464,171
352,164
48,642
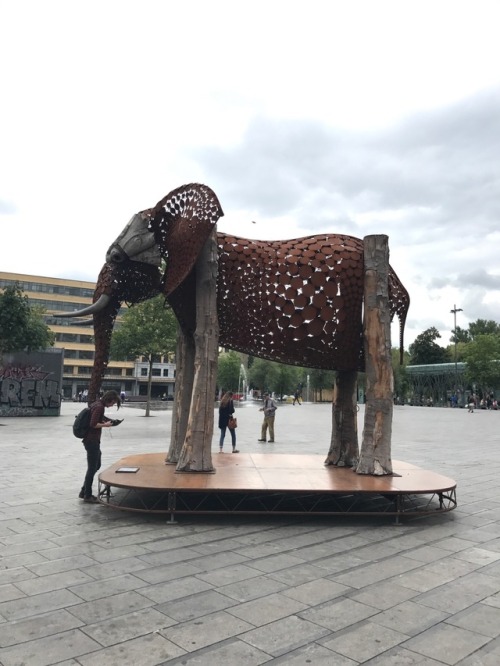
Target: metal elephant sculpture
x,y
294,301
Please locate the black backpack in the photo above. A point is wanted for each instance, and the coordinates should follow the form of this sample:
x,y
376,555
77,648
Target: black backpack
x,y
82,423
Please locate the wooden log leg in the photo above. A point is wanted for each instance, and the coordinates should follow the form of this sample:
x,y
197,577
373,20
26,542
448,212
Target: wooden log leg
x,y
184,379
196,453
344,450
375,457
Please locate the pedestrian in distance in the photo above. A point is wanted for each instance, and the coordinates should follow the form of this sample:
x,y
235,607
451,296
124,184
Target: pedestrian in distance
x,y
296,398
226,411
269,408
92,441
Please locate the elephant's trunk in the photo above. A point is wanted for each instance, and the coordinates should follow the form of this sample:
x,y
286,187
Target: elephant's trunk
x,y
131,282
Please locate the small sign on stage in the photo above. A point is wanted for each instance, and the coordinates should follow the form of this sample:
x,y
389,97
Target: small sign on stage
x,y
128,470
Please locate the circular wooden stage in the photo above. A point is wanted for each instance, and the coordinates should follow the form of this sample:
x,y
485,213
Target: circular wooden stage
x,y
264,483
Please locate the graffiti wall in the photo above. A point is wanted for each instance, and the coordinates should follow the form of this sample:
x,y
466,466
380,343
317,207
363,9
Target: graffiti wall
x,y
30,384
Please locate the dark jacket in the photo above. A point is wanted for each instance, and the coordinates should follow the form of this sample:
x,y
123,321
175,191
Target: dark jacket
x,y
225,413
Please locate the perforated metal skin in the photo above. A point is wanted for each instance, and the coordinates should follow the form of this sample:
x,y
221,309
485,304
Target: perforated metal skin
x,y
295,301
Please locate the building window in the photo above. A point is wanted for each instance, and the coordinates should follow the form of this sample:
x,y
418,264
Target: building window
x,y
165,372
68,369
156,372
144,372
129,372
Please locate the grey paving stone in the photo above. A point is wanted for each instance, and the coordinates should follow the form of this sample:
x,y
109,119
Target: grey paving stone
x,y
252,588
108,587
149,650
276,562
40,603
48,650
108,607
267,609
196,605
314,654
64,579
454,559
160,574
228,652
228,575
299,575
47,568
205,630
282,636
175,589
401,657
112,568
126,627
480,618
410,618
316,591
9,592
461,593
372,573
364,641
29,629
446,643
338,614
383,595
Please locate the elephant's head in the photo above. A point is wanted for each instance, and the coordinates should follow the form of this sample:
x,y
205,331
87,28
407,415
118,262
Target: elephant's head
x,y
171,234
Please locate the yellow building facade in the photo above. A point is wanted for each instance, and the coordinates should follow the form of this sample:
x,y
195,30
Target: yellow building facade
x,y
56,295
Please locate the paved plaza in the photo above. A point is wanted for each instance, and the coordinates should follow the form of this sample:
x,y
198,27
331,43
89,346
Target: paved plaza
x,y
90,585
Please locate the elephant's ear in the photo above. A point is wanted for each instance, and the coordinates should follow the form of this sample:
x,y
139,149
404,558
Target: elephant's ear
x,y
182,222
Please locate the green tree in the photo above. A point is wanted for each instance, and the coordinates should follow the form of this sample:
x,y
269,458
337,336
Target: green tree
x,y
228,371
286,379
425,351
321,379
482,358
22,328
401,384
262,374
147,329
483,327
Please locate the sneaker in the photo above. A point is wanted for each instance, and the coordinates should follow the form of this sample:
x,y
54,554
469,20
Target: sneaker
x,y
80,494
261,440
271,441
235,451
91,500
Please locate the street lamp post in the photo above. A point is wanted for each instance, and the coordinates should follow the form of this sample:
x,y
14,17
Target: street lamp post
x,y
454,313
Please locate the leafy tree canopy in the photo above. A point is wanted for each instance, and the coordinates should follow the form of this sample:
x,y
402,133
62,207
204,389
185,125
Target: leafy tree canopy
x,y
147,329
482,357
425,351
228,371
22,327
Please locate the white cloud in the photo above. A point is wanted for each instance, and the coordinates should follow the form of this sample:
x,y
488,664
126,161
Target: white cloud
x,y
354,117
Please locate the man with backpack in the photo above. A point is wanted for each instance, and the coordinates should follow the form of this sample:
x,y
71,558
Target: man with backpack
x,y
92,441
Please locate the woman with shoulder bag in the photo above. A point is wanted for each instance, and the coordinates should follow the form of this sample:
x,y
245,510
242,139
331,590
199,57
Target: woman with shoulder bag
x,y
226,420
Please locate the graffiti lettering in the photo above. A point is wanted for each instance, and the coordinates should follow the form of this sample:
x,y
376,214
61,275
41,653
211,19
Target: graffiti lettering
x,y
35,393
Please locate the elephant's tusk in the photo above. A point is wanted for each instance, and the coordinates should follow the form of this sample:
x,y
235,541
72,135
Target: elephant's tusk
x,y
98,306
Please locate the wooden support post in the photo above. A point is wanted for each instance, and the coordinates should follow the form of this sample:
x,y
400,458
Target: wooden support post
x,y
344,449
375,457
196,453
184,378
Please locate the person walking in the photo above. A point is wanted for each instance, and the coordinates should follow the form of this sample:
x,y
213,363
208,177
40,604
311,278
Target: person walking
x,y
269,408
226,410
296,398
471,404
92,441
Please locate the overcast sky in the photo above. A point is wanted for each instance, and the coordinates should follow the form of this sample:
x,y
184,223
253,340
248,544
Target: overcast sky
x,y
357,117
